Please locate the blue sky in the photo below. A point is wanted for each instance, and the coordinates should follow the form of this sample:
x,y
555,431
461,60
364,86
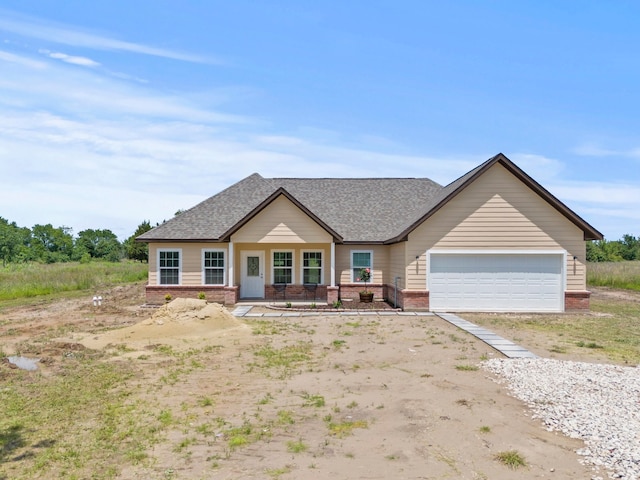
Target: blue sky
x,y
114,112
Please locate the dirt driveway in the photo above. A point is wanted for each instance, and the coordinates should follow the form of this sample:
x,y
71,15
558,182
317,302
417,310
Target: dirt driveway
x,y
339,397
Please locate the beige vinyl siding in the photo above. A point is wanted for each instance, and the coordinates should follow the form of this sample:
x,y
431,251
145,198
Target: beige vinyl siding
x,y
343,261
281,222
397,262
190,260
297,249
499,212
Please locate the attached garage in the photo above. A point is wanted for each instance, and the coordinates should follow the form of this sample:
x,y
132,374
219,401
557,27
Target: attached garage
x,y
532,281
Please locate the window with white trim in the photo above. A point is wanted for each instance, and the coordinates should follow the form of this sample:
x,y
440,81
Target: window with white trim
x,y
213,267
361,259
282,267
169,267
312,267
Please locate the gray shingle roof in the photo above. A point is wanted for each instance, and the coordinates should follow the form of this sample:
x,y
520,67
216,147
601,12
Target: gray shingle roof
x,y
365,210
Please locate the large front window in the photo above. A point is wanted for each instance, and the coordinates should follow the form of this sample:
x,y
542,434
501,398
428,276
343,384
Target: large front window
x,y
282,267
169,267
213,267
360,259
312,267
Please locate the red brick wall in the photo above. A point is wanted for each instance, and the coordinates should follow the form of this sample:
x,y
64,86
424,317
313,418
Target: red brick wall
x,y
415,300
576,301
157,294
297,293
352,291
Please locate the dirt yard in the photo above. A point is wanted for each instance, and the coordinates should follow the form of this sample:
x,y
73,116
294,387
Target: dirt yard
x,y
295,397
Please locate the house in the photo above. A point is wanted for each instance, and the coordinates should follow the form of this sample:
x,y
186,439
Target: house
x,y
492,240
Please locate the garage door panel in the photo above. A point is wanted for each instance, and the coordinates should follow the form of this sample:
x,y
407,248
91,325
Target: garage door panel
x,y
496,282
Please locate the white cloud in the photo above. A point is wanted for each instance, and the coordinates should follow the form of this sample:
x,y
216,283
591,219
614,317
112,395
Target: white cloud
x,y
593,150
599,193
67,35
25,62
539,167
82,61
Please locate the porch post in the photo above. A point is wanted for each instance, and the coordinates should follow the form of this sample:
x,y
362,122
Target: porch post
x,y
231,262
333,264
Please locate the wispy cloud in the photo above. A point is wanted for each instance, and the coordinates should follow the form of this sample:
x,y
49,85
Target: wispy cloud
x,y
31,27
594,150
24,61
75,60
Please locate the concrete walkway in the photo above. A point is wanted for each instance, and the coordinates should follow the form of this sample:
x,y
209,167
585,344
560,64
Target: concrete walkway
x,y
504,346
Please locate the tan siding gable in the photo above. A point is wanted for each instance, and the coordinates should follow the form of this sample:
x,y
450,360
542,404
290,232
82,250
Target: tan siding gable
x,y
497,211
281,222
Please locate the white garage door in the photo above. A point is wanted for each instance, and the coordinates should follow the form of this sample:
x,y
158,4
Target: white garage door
x,y
496,282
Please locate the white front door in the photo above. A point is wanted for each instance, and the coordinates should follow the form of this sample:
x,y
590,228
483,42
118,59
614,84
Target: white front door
x,y
252,278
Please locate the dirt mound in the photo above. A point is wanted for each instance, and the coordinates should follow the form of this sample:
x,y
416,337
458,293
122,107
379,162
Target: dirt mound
x,y
182,321
187,310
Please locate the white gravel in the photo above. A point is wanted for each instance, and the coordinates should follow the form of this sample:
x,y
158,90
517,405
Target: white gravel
x,y
597,403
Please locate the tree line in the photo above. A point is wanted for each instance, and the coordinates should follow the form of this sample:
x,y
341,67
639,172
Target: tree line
x,y
627,248
49,244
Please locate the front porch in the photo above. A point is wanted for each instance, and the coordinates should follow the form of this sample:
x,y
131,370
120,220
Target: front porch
x,y
290,295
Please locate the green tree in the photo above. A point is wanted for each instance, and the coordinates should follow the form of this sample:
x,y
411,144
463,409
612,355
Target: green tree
x,y
137,250
630,247
51,244
102,244
10,241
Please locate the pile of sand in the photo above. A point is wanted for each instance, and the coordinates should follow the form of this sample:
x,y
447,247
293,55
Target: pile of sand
x,y
187,310
182,320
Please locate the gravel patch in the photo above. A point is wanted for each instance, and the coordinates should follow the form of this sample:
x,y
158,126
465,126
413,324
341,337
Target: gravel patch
x,y
597,403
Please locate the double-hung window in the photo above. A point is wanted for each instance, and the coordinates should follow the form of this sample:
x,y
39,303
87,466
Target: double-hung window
x,y
169,267
360,259
213,267
312,267
283,267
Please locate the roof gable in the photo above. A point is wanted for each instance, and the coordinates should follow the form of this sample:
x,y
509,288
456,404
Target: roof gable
x,y
367,210
280,192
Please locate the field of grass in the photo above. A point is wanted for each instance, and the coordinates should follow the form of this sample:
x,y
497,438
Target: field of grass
x,y
23,281
611,329
80,423
625,275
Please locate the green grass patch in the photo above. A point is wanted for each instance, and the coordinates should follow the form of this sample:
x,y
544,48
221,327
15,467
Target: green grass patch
x,y
511,458
344,429
296,446
80,423
285,359
467,368
313,400
26,281
624,275
613,322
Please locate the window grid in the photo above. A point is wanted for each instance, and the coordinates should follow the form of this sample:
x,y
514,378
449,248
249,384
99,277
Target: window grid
x,y
214,268
282,267
169,266
312,267
360,260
